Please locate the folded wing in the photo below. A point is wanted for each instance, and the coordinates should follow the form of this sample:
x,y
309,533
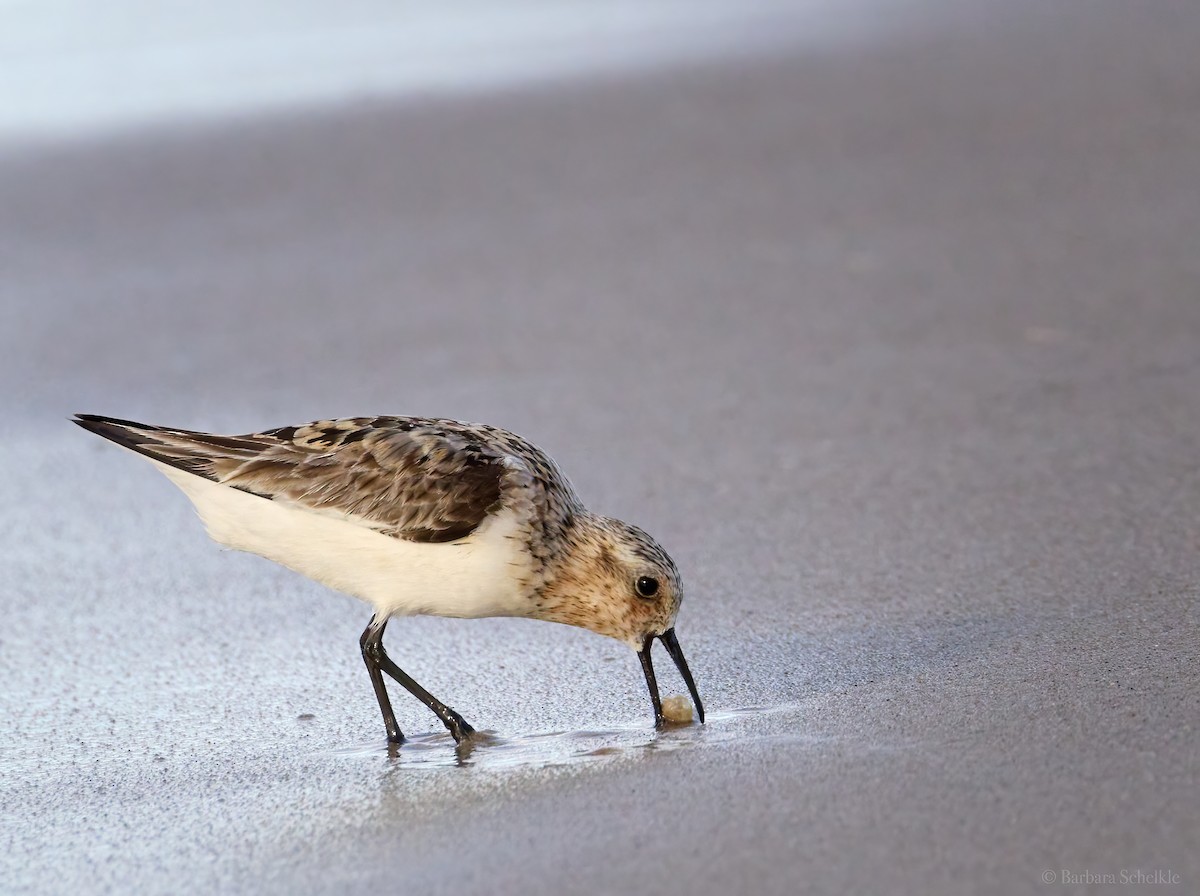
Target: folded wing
x,y
414,478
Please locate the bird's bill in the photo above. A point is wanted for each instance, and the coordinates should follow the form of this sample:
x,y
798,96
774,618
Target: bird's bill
x,y
672,644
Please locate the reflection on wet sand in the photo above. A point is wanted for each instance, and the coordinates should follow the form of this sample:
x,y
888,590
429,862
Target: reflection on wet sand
x,y
491,750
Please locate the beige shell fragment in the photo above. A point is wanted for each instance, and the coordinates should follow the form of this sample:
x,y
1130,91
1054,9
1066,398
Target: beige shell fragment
x,y
677,710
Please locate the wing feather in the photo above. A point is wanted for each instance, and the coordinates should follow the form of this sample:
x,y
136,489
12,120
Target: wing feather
x,y
414,478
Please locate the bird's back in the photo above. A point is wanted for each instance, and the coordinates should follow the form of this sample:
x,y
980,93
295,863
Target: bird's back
x,y
414,515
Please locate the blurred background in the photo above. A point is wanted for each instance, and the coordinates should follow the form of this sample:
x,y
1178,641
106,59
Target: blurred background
x,y
882,315
73,68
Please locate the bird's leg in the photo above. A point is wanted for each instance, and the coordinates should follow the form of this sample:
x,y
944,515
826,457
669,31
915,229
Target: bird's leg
x,y
377,659
371,645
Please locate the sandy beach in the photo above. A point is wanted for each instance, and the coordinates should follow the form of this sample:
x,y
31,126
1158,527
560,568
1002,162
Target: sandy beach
x,y
894,342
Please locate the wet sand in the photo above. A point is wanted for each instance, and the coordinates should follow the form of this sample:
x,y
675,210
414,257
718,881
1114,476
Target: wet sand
x,y
894,345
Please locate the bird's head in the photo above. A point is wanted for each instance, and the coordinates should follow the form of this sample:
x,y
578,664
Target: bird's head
x,y
616,580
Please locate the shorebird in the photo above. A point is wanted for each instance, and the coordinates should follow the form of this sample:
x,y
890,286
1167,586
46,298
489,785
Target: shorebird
x,y
415,515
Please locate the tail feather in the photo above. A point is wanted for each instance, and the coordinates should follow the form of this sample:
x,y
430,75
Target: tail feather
x,y
142,438
123,432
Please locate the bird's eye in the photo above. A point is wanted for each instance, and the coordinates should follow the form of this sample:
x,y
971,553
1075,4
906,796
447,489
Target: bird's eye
x,y
647,586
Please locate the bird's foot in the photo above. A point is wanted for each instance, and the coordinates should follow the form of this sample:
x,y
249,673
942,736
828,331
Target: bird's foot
x,y
458,727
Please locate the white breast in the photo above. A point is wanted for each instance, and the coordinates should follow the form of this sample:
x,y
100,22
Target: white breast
x,y
480,575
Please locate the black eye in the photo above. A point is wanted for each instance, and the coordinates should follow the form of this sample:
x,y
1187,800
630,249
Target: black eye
x,y
647,587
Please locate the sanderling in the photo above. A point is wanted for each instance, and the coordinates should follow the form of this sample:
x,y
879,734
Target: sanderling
x,y
417,515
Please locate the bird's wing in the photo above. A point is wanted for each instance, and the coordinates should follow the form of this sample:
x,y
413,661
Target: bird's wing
x,y
413,478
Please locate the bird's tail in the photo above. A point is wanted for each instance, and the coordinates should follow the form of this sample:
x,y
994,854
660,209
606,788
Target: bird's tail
x,y
126,433
193,452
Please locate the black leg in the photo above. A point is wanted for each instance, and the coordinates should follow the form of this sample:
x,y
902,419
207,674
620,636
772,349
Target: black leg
x,y
394,734
377,659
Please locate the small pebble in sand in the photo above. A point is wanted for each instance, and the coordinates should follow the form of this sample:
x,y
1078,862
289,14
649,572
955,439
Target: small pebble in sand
x,y
677,710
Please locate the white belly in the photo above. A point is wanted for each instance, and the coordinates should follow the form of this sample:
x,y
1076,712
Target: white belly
x,y
478,576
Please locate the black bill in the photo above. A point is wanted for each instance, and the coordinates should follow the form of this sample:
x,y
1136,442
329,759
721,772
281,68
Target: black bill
x,y
672,644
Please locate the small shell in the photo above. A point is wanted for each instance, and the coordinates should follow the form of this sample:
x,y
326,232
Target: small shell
x,y
677,710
